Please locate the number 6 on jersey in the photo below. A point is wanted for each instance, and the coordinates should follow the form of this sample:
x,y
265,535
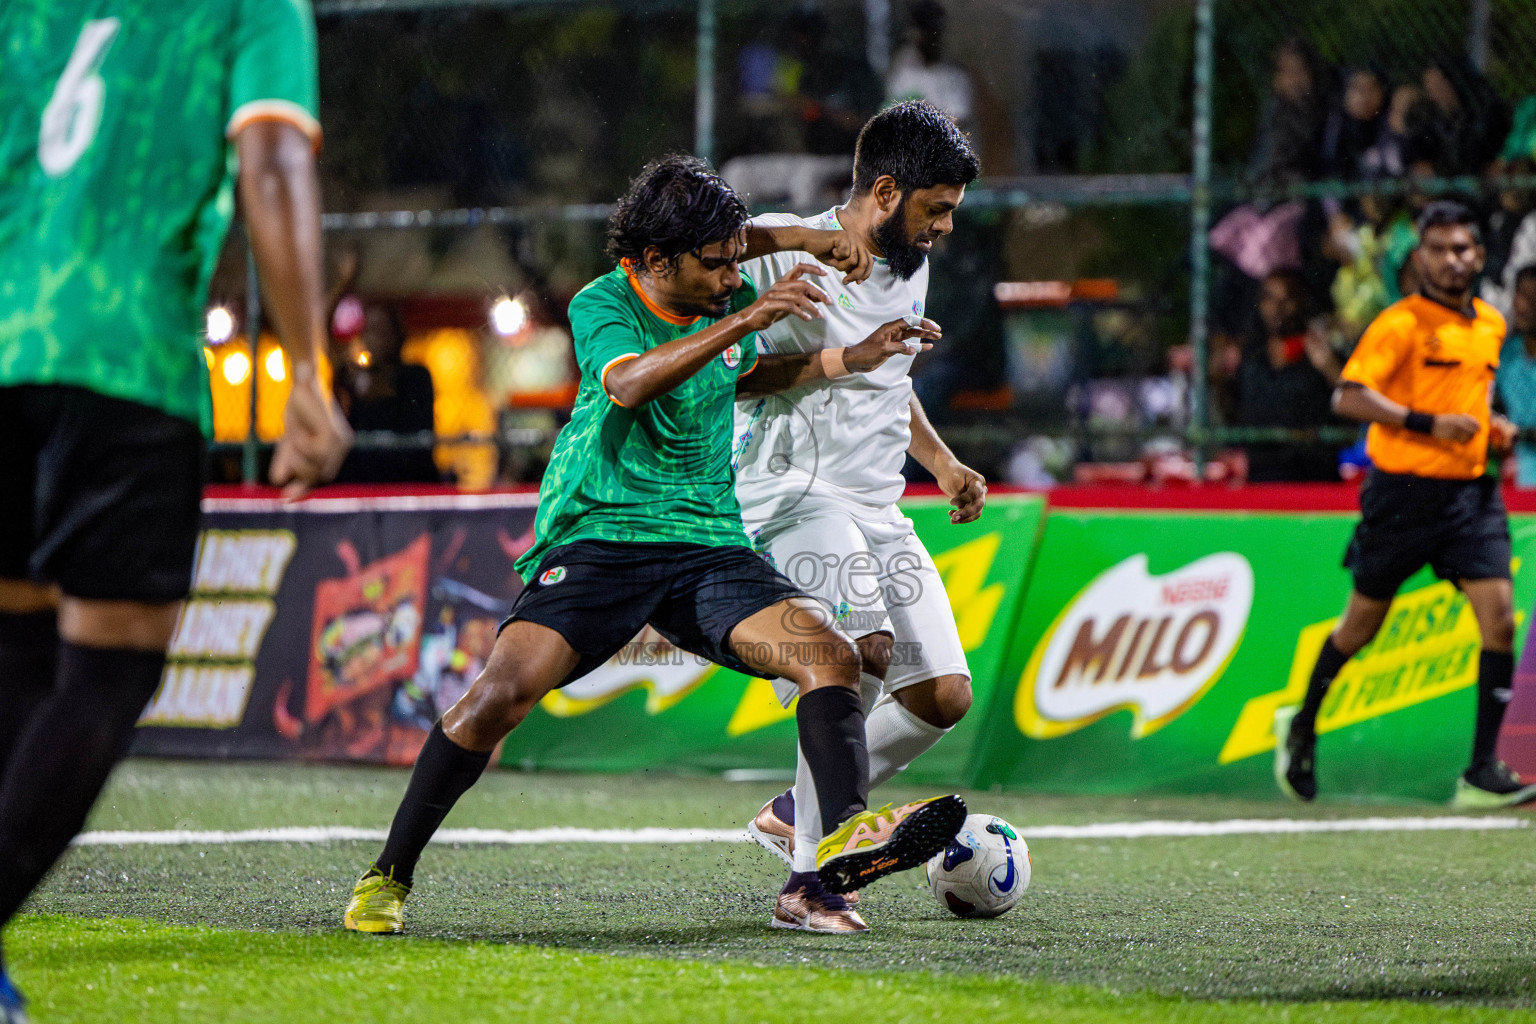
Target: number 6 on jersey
x,y
73,113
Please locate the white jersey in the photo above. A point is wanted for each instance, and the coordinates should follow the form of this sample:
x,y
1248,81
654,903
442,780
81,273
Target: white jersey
x,y
841,441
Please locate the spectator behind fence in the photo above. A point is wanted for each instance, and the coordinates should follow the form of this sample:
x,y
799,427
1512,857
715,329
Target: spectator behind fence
x,y
1468,119
1289,146
1285,379
1515,384
801,89
379,393
1521,141
1511,241
1356,124
919,72
1260,237
1407,120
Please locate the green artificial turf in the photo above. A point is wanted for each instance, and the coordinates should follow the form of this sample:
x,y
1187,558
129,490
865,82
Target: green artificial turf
x,y
141,971
1379,926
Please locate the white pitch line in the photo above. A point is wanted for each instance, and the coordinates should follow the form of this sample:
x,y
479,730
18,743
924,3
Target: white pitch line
x,y
1267,826
526,837
467,836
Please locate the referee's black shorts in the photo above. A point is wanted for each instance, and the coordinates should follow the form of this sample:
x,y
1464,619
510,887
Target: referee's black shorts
x,y
1459,528
599,594
98,495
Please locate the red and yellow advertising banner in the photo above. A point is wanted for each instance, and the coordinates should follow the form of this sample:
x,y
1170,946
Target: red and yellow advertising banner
x,y
335,628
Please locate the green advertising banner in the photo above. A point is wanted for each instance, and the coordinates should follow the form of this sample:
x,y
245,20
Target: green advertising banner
x,y
1154,647
653,705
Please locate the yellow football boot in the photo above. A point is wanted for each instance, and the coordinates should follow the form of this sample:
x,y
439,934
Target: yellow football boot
x,y
873,844
378,905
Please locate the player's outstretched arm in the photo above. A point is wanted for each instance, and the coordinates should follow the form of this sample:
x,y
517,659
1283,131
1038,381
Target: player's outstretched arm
x,y
652,374
1357,402
280,198
836,248
775,373
965,488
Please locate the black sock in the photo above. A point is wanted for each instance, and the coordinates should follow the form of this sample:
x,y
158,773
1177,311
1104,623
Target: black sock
x,y
29,656
831,723
784,806
444,772
62,759
1329,661
1495,672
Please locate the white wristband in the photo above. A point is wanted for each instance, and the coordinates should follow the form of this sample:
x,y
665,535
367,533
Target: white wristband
x,y
832,366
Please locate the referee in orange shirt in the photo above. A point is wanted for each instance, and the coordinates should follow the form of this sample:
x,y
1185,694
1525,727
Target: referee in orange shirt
x,y
1422,376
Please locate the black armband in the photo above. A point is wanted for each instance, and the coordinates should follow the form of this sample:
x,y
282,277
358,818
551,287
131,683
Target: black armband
x,y
1419,422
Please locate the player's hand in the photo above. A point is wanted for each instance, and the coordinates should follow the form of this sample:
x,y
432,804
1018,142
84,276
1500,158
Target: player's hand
x,y
1455,426
966,489
1502,435
788,296
316,437
892,339
841,251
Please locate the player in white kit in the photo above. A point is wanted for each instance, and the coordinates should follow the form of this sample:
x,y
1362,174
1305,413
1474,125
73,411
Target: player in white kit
x,y
819,473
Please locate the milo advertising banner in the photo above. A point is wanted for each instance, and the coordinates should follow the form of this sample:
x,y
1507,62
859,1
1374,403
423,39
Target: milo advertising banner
x,y
1154,647
652,705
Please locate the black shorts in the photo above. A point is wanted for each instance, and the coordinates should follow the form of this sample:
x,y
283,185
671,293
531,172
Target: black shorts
x,y
1459,528
97,495
599,594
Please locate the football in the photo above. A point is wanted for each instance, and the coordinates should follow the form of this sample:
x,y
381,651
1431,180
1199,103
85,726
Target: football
x,y
983,871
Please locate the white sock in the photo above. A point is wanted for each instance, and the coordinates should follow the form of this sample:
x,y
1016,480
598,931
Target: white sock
x,y
894,737
807,817
870,689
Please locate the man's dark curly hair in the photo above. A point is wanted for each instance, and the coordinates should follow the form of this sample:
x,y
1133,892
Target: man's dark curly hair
x,y
917,144
676,204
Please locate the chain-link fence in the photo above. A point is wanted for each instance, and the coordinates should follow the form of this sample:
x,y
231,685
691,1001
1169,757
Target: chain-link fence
x,y
472,149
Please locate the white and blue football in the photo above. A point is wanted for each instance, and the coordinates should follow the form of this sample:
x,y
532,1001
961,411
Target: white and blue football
x,y
983,871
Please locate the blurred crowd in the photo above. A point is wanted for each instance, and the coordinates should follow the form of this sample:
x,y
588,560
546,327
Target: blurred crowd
x,y
1298,280
536,116
803,91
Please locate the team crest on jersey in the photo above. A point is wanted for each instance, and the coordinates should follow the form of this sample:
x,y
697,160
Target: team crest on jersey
x,y
917,307
549,577
731,357
845,302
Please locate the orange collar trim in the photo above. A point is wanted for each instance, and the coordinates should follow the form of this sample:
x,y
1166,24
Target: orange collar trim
x,y
655,310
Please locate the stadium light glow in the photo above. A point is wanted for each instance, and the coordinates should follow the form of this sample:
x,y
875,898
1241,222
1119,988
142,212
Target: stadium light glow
x,y
274,365
508,316
221,325
237,368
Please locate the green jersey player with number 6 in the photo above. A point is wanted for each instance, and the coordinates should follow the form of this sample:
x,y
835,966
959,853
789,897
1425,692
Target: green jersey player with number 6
x,y
120,134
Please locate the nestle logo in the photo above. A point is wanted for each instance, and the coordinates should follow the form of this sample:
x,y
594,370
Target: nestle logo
x,y
1185,591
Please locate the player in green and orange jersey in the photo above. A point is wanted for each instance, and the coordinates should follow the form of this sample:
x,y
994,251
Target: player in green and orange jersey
x,y
638,523
123,123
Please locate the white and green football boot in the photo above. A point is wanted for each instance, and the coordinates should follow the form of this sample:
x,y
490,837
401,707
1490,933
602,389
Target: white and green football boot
x,y
1489,787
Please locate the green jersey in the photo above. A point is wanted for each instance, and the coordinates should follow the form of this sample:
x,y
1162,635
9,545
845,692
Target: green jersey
x,y
659,473
117,180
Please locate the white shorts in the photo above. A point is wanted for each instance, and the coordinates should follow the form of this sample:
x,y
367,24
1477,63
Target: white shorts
x,y
874,576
